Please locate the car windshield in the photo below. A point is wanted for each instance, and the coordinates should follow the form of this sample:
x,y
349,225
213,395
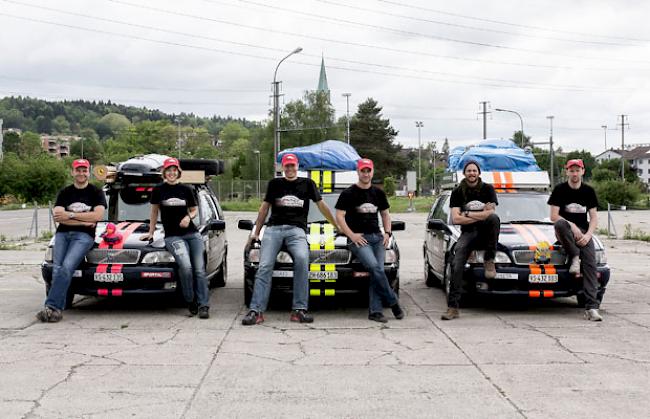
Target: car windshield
x,y
130,204
531,207
315,214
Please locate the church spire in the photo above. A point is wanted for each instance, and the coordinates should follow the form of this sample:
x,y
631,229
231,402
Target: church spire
x,y
322,80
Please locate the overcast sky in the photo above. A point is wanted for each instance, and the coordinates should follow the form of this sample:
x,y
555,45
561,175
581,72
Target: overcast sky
x,y
584,62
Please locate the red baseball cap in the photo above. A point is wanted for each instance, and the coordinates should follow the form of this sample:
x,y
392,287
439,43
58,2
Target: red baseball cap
x,y
289,159
365,164
81,163
575,162
171,161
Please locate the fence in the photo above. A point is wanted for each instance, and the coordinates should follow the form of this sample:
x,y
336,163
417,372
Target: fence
x,y
239,190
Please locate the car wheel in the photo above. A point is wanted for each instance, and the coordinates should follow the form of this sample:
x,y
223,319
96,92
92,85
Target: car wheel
x,y
447,280
429,278
395,285
582,300
219,280
249,284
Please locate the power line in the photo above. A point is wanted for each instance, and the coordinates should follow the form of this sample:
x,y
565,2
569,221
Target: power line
x,y
461,26
499,22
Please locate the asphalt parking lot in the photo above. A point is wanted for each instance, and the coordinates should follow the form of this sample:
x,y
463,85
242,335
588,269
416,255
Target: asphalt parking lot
x,y
124,357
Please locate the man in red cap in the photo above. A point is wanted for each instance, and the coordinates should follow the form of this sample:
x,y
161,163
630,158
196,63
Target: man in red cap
x,y
356,215
77,209
573,210
288,199
177,206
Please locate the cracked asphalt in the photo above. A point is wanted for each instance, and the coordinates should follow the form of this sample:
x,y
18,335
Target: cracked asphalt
x,y
118,358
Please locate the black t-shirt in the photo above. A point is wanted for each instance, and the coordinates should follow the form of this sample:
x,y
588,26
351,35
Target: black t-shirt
x,y
361,207
175,202
472,199
574,203
79,200
289,201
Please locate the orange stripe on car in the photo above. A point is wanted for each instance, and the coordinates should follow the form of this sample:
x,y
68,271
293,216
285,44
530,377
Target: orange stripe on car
x,y
550,269
534,293
535,269
496,179
548,293
538,233
509,182
525,234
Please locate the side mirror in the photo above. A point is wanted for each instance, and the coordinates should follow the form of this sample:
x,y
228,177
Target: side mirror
x,y
397,225
245,224
218,225
437,224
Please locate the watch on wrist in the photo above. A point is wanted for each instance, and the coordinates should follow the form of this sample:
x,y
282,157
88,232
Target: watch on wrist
x,y
71,215
390,233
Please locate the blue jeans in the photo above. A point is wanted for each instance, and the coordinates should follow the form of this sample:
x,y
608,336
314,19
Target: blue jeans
x,y
296,241
70,248
188,251
371,257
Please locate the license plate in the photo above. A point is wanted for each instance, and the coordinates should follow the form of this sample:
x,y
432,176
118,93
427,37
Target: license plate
x,y
283,274
323,275
108,277
542,278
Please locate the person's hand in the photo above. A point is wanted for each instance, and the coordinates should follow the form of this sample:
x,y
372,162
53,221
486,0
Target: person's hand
x,y
582,242
490,206
185,221
386,239
577,234
358,239
255,237
146,237
60,215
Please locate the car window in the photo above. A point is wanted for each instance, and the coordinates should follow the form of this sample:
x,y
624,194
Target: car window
x,y
441,210
207,209
131,203
523,206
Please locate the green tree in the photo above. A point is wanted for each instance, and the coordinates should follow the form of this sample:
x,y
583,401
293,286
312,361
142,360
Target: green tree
x,y
60,125
93,150
30,145
616,192
11,142
373,137
516,138
308,121
611,170
112,124
32,179
230,133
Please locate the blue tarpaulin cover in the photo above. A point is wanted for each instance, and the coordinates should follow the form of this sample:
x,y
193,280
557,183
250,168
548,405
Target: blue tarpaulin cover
x,y
494,155
330,154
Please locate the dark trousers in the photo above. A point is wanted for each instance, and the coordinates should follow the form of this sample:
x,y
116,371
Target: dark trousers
x,y
587,256
484,236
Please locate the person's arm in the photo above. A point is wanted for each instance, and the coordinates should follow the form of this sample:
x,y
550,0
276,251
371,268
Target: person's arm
x,y
356,238
462,218
325,210
69,218
555,216
593,225
153,220
191,213
385,221
261,217
91,216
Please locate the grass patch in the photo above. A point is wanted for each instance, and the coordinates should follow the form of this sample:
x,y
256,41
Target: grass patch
x,y
252,204
635,234
401,204
46,236
12,246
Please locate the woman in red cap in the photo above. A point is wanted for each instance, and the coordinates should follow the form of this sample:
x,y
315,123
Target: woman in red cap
x,y
177,206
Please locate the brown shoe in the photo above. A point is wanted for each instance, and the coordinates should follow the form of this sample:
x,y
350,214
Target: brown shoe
x,y
452,313
490,269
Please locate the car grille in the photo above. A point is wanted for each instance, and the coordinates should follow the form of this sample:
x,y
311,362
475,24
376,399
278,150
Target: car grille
x,y
121,256
337,257
527,257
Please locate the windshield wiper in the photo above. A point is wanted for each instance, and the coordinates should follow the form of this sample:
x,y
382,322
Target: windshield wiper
x,y
529,222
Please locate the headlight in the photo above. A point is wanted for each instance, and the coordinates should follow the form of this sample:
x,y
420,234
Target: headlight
x,y
48,254
162,256
478,256
391,256
254,255
284,257
601,257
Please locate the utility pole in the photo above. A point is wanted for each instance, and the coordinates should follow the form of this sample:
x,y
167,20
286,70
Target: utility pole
x,y
419,125
623,124
552,152
1,140
178,122
433,149
484,112
604,127
276,110
347,113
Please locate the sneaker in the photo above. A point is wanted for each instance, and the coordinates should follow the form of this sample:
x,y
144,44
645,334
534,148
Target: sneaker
x,y
450,314
204,312
575,265
593,315
49,315
377,317
397,311
301,315
490,269
194,308
252,318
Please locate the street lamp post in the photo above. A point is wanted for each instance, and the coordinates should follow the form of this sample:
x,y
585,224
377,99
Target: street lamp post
x,y
419,125
434,167
276,109
178,122
259,165
347,113
604,127
523,137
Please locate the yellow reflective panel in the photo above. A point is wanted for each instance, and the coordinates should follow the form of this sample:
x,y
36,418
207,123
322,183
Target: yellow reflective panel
x,y
330,267
330,293
327,181
314,267
315,176
314,236
328,232
314,293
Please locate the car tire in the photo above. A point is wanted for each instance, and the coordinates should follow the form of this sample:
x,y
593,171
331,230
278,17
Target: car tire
x,y
395,285
582,300
219,280
429,278
249,285
447,280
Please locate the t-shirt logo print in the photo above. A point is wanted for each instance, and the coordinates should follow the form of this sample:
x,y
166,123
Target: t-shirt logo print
x,y
574,208
474,206
290,201
174,202
367,208
79,207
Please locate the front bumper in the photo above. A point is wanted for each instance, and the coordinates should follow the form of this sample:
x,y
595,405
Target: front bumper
x,y
136,279
515,281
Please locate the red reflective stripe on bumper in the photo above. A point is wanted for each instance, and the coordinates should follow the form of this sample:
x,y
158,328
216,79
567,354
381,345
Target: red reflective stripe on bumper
x,y
548,294
534,294
102,291
116,293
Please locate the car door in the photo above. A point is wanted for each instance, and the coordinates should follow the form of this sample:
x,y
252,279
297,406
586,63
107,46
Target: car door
x,y
439,238
210,237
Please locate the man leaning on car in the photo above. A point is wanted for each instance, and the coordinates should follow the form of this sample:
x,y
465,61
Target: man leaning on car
x,y
570,203
288,199
473,205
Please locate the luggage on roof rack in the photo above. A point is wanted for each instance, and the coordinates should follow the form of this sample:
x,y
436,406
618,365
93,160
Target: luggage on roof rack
x,y
493,155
